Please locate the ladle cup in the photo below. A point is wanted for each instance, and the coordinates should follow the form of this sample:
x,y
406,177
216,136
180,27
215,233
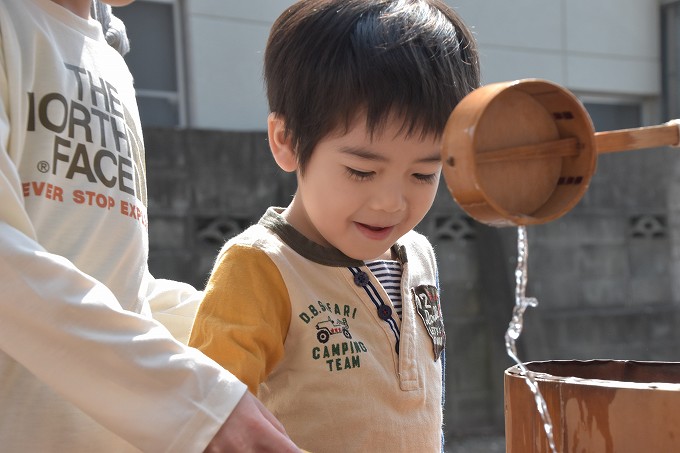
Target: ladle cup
x,y
524,152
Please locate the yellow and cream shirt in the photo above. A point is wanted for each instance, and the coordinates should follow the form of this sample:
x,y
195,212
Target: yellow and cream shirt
x,y
313,333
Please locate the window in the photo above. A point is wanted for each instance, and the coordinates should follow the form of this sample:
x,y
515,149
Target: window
x,y
612,116
155,60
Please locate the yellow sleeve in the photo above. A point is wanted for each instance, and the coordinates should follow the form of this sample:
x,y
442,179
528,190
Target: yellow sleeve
x,y
243,319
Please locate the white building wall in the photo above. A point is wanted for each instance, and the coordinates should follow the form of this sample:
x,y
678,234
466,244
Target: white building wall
x,y
604,49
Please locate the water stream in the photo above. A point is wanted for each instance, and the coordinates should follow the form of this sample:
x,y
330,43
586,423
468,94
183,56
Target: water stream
x,y
515,330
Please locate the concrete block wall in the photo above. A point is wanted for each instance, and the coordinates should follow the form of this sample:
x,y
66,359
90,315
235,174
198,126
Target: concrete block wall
x,y
205,186
604,272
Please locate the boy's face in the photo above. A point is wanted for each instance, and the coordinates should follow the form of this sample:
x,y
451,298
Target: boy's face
x,y
360,195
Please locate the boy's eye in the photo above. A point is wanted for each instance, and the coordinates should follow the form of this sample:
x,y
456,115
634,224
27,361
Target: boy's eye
x,y
359,175
425,178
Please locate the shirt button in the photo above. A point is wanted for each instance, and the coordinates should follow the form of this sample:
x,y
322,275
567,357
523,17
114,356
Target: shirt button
x,y
361,278
384,312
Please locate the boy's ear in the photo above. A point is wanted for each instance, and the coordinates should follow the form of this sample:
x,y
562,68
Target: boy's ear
x,y
280,143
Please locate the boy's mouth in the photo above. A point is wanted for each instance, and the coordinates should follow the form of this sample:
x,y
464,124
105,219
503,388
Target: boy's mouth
x,y
374,232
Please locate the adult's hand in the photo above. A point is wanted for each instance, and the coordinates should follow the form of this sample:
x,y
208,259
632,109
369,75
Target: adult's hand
x,y
251,428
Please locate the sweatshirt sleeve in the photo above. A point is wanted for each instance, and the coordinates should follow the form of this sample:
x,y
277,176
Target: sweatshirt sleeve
x,y
244,317
123,369
173,304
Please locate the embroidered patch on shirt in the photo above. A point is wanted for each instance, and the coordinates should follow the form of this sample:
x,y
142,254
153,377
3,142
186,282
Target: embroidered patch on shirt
x,y
335,348
426,299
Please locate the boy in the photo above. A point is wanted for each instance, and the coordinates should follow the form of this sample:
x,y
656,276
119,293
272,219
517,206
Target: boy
x,y
83,367
328,309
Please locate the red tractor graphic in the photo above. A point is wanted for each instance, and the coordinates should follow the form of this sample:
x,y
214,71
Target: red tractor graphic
x,y
331,327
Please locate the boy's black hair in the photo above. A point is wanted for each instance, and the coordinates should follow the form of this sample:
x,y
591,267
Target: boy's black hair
x,y
328,60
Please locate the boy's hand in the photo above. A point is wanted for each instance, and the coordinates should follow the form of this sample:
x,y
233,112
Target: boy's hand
x,y
251,428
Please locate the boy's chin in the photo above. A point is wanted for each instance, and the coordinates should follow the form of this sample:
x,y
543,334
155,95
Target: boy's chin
x,y
366,255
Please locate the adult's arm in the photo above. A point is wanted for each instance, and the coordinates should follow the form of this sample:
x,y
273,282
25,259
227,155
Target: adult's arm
x,y
123,369
173,304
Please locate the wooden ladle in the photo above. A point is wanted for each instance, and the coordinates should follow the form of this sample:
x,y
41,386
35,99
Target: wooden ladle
x,y
524,152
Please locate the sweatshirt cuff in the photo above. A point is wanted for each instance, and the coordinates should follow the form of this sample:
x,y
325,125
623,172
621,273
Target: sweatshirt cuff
x,y
212,412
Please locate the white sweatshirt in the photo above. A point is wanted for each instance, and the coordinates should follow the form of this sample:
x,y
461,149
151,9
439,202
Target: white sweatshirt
x,y
82,364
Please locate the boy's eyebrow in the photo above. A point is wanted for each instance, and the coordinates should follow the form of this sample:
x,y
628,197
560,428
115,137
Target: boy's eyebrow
x,y
369,155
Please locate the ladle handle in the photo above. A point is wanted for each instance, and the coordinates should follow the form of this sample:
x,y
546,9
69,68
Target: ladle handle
x,y
638,138
605,142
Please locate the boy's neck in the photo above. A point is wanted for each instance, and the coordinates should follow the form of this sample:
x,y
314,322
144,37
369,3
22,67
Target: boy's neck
x,y
388,255
78,7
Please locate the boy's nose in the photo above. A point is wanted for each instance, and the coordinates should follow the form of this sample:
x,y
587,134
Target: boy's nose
x,y
389,198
